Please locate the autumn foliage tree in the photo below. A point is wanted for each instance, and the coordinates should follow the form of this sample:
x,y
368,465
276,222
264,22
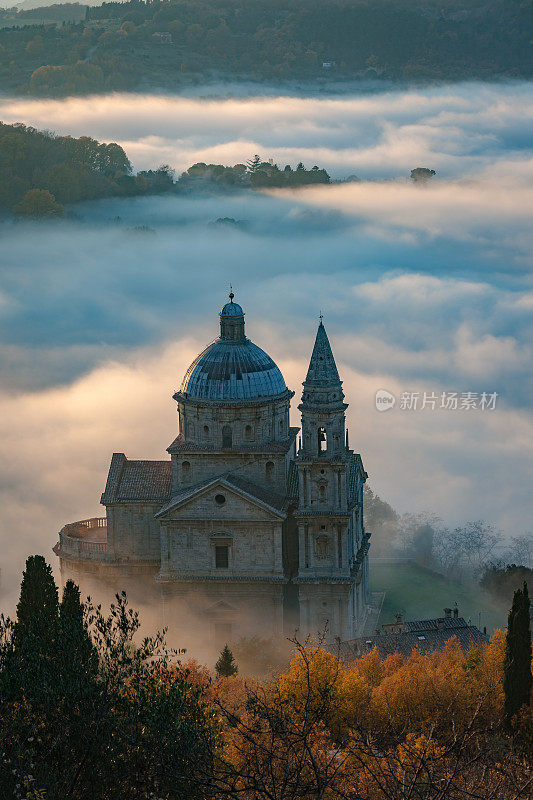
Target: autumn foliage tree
x,y
88,710
38,203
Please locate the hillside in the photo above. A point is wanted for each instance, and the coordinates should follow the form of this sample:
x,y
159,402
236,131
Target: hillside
x,y
420,593
125,46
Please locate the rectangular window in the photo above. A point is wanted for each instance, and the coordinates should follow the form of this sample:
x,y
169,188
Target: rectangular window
x,y
221,557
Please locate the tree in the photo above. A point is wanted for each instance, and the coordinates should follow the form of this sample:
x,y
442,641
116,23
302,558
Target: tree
x,y
422,174
502,581
138,728
226,665
517,679
381,519
38,203
254,163
34,643
37,607
467,548
75,644
521,551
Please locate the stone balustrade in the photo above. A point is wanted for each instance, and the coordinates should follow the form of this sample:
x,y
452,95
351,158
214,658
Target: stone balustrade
x,y
85,539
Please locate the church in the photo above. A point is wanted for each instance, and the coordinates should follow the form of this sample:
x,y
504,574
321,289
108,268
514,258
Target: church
x,y
249,528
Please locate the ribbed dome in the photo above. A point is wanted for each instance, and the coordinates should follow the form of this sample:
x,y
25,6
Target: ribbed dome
x,y
233,371
232,367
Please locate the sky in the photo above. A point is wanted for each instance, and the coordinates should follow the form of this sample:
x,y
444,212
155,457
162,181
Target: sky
x,y
424,289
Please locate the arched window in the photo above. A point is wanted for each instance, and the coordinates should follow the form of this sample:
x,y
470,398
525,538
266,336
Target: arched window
x,y
322,440
206,431
281,426
248,432
185,471
227,436
270,471
322,491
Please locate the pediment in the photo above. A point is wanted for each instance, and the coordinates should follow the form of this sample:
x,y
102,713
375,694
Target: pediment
x,y
221,608
219,499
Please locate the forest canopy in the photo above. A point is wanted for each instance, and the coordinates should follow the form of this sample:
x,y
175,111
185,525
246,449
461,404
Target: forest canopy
x,y
40,172
167,43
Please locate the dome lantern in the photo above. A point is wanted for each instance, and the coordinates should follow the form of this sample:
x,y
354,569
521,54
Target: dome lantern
x,y
232,322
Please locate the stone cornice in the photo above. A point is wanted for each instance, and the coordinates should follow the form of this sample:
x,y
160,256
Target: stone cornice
x,y
320,513
172,577
184,398
323,579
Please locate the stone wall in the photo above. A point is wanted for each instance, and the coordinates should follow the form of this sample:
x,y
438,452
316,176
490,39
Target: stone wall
x,y
133,531
205,423
269,470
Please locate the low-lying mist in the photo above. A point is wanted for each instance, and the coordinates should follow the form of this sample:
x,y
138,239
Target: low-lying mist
x,y
423,289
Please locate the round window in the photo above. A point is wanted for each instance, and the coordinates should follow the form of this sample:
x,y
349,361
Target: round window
x,y
220,499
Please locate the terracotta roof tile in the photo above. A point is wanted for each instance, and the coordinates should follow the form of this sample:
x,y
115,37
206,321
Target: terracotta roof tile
x,y
130,481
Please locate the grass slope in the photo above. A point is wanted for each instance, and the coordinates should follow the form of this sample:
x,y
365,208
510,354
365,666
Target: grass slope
x,y
420,593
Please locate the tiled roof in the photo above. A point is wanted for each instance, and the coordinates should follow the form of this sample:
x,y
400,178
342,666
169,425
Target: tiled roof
x,y
180,445
264,495
293,483
448,623
424,635
142,481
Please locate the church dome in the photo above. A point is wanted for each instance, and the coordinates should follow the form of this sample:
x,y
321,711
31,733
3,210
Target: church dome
x,y
232,367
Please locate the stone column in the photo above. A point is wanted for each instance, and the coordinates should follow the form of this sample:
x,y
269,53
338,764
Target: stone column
x,y
302,547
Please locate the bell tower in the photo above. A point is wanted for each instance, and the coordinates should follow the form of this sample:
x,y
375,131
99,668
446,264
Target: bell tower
x,y
333,545
323,407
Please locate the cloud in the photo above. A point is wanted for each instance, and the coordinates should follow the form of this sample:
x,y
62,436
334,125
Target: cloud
x,y
424,288
458,130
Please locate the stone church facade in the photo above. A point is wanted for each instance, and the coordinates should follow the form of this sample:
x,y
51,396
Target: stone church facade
x,y
243,531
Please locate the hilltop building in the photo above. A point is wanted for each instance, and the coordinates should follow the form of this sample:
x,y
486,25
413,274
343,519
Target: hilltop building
x,y
241,532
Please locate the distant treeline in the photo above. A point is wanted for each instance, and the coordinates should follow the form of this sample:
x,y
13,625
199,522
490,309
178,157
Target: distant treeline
x,y
503,580
165,43
40,172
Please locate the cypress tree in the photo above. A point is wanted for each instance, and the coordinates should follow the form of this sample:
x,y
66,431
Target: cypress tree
x,y
226,665
35,631
517,679
38,606
76,652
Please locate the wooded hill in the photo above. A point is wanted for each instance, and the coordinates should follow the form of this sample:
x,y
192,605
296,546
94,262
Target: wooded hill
x,y
121,46
40,172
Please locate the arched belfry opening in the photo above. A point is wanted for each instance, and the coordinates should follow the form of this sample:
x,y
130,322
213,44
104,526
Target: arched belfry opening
x,y
322,440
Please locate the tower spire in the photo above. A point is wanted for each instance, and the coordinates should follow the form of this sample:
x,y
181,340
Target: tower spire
x,y
322,368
